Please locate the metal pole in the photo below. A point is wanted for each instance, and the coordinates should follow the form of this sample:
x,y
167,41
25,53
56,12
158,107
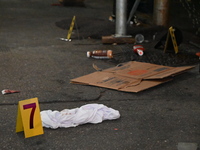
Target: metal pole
x,y
133,10
121,17
161,12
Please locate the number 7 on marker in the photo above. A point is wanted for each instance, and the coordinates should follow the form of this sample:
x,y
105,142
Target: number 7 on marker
x,y
33,106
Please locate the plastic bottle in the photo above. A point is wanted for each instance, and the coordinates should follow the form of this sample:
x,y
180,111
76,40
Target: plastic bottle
x,y
100,54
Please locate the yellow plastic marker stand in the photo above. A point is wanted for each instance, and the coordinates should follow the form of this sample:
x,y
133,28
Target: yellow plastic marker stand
x,y
71,28
171,35
28,118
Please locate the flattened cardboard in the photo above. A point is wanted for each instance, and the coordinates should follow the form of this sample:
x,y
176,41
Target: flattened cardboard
x,y
131,76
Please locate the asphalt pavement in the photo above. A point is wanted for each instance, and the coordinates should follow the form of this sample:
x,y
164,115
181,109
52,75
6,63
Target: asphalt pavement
x,y
35,61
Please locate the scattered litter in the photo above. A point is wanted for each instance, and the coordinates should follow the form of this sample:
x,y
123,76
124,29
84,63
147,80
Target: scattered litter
x,y
100,54
187,146
131,76
6,91
139,49
96,68
198,54
139,38
63,39
90,113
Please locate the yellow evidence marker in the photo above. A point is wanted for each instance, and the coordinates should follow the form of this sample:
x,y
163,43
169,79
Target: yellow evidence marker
x,y
171,36
28,118
71,28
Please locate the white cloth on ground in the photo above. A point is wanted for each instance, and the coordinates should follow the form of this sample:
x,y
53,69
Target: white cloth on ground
x,y
90,113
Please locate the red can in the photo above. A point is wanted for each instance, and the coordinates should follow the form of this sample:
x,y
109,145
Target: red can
x,y
139,49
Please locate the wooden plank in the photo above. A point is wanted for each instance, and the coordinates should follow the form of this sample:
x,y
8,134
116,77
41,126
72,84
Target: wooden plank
x,y
120,40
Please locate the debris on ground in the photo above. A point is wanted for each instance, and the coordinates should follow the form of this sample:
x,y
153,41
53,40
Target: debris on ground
x,y
100,54
7,91
139,38
96,68
139,49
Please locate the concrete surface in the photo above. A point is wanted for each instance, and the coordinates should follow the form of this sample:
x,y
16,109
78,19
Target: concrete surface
x,y
35,61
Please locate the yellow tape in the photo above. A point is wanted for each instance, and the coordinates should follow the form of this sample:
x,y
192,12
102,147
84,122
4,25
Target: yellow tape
x,y
71,28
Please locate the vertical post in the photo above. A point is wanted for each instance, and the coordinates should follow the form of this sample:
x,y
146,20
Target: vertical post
x,y
133,10
161,12
121,18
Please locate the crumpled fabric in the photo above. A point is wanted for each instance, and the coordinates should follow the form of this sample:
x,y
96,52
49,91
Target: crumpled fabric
x,y
90,113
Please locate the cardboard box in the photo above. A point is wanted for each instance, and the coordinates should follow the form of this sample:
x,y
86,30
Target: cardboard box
x,y
131,76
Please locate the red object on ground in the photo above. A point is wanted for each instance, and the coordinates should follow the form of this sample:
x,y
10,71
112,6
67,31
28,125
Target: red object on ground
x,y
139,49
6,91
198,54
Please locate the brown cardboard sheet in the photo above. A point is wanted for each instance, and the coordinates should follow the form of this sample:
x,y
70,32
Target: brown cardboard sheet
x,y
131,76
